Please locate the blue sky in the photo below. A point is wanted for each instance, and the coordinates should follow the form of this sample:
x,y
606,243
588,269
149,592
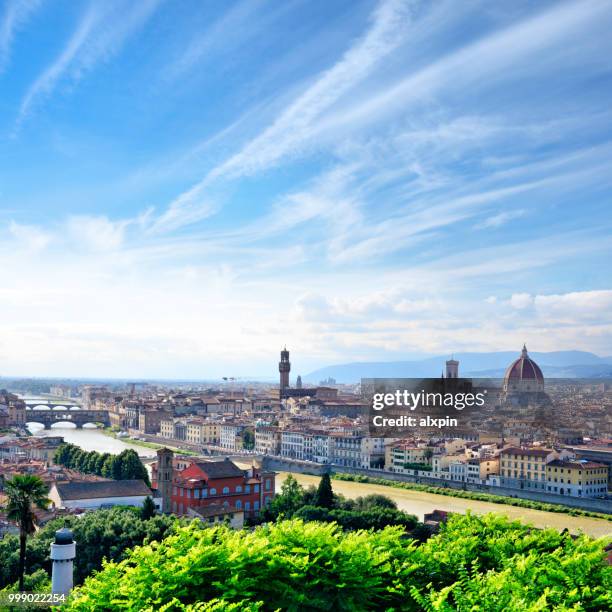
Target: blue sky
x,y
187,186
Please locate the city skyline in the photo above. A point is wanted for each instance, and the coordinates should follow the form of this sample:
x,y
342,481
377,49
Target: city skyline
x,y
184,189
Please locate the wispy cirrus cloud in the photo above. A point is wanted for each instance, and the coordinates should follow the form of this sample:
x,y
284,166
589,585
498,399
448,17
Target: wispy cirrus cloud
x,y
16,14
501,218
315,116
245,20
338,204
484,61
388,29
100,33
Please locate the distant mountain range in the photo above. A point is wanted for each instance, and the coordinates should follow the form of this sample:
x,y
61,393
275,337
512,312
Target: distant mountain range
x,y
557,364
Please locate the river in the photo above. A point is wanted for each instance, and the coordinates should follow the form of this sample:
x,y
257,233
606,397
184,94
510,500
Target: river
x,y
90,438
414,502
419,503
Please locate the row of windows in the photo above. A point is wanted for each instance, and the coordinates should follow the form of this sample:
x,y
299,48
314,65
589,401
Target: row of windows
x,y
180,507
529,476
588,482
600,471
247,505
347,462
197,493
516,465
527,457
517,474
542,467
288,440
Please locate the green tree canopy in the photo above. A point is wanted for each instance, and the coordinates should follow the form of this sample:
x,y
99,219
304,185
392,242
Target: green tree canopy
x,y
125,466
374,500
474,563
290,499
98,535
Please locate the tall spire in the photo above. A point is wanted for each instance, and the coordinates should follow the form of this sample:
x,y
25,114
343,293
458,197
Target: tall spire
x,y
524,351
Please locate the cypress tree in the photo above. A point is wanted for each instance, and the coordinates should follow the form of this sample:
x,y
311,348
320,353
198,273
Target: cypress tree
x,y
148,509
325,495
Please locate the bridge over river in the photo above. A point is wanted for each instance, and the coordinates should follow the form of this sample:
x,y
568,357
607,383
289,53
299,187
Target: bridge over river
x,y
51,403
48,412
78,417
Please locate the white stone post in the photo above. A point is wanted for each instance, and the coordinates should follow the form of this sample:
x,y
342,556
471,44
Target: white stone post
x,y
63,552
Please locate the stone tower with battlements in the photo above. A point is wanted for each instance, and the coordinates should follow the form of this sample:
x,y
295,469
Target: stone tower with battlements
x,y
284,367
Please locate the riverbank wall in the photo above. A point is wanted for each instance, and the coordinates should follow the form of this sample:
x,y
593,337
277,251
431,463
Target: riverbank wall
x,y
315,469
594,505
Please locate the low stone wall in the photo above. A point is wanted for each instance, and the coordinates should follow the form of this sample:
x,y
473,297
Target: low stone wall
x,y
594,505
291,465
181,444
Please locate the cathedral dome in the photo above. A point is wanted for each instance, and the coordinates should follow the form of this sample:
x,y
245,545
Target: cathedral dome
x,y
524,368
523,376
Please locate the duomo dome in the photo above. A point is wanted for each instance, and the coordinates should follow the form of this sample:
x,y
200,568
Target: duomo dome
x,y
523,376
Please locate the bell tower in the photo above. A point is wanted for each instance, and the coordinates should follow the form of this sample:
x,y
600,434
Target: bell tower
x,y
284,367
452,368
164,478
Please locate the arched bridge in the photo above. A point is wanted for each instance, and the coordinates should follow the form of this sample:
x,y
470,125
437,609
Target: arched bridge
x,y
78,417
47,404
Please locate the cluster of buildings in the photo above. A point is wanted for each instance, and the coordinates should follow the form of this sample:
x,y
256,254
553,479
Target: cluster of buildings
x,y
18,449
210,489
310,425
559,471
510,455
327,424
12,410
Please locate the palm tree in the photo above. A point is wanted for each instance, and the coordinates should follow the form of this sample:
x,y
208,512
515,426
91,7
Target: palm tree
x,y
25,492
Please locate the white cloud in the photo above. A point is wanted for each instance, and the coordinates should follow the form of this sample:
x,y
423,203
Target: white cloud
x,y
101,32
406,229
370,237
244,20
376,306
97,233
500,219
388,30
29,237
577,304
372,314
521,300
295,124
45,83
190,207
307,119
493,56
16,14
